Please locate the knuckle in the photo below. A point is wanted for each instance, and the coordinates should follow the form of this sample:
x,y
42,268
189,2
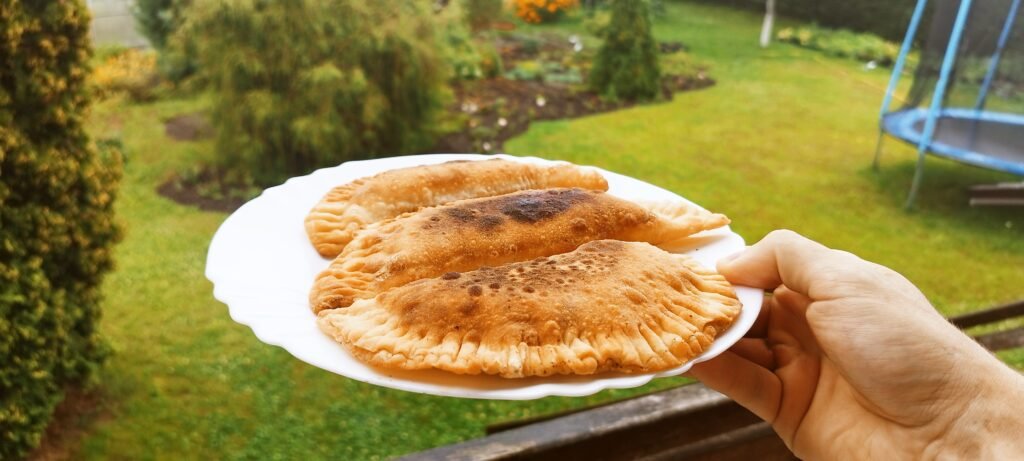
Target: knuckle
x,y
783,235
783,239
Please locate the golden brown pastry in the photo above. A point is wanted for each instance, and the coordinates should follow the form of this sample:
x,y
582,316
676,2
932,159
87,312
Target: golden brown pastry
x,y
608,306
348,208
490,231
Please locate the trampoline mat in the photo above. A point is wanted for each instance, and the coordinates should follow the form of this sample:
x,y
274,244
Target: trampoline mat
x,y
985,139
996,139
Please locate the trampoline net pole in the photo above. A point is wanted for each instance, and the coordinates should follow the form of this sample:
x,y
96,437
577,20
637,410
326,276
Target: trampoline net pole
x,y
878,149
990,73
897,71
937,98
993,64
914,186
901,60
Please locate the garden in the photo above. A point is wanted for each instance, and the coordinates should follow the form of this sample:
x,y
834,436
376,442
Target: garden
x,y
234,97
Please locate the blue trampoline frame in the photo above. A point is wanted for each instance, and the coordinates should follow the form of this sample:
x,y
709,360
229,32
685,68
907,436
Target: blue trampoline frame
x,y
900,124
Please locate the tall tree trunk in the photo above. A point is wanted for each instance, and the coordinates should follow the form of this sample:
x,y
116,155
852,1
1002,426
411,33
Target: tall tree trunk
x,y
769,20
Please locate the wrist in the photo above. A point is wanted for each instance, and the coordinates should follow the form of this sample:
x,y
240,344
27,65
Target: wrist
x,y
990,424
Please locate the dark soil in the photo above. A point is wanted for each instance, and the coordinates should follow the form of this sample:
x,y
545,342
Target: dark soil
x,y
515,48
484,103
188,193
71,418
188,127
672,47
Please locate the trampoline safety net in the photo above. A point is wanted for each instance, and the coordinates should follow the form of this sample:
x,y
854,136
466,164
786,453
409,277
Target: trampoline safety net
x,y
981,116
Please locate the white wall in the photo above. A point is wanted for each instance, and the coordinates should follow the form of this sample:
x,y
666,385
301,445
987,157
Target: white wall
x,y
113,23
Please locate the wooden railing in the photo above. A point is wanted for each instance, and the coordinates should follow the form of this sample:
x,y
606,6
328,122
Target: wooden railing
x,y
688,422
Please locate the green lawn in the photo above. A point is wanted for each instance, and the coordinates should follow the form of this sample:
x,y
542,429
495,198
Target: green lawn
x,y
783,140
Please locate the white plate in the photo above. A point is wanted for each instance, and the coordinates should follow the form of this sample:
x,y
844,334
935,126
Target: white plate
x,y
262,266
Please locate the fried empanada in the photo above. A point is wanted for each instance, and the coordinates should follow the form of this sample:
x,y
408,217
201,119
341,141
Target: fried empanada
x,y
348,208
489,231
607,306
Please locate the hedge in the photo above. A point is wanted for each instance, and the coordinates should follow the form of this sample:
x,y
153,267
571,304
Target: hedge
x,y
56,216
304,84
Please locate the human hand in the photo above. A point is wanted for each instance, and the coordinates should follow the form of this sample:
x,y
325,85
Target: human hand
x,y
849,359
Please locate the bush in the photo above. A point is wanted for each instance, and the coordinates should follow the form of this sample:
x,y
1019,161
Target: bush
x,y
626,66
157,20
596,22
305,84
468,58
843,43
56,216
178,62
132,72
681,63
481,13
538,11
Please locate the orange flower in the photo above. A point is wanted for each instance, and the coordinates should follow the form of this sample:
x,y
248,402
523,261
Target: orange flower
x,y
535,11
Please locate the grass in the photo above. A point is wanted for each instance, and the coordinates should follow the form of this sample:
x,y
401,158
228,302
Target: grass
x,y
783,140
185,379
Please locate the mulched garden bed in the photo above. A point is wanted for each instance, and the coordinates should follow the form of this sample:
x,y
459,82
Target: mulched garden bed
x,y
188,127
498,109
197,191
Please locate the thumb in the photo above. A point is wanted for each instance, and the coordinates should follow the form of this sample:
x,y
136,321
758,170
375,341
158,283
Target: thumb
x,y
784,257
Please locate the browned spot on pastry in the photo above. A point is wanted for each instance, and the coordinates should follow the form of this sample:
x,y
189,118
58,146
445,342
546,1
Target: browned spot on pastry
x,y
478,217
490,222
494,286
528,207
541,205
460,214
451,275
475,290
468,308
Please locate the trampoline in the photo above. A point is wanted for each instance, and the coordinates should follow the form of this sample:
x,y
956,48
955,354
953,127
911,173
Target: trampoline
x,y
966,102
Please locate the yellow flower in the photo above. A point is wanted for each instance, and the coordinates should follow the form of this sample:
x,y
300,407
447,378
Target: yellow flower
x,y
124,71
